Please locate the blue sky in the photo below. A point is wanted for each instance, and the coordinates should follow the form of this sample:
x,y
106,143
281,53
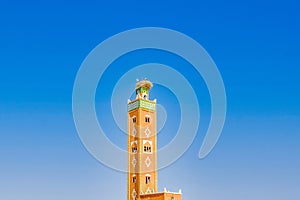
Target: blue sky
x,y
254,44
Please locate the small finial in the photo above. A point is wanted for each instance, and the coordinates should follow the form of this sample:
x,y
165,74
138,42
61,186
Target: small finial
x,y
165,189
137,80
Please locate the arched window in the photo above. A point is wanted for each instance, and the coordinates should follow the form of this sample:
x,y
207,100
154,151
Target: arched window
x,y
147,149
134,119
134,147
134,178
147,146
147,119
148,178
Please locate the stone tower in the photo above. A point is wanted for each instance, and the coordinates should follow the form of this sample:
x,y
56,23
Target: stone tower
x,y
142,147
142,176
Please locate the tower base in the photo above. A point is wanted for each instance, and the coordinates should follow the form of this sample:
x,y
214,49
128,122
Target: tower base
x,y
161,196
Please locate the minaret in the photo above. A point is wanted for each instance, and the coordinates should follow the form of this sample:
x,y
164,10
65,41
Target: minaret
x,y
142,165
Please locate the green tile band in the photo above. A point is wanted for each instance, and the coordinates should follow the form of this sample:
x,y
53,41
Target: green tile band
x,y
141,104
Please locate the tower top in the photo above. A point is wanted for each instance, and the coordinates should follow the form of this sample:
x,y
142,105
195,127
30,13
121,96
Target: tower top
x,y
142,89
143,83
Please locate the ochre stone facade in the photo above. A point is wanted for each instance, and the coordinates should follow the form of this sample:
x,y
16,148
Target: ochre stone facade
x,y
161,196
142,148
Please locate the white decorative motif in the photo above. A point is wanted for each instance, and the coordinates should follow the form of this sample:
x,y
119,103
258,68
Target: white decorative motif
x,y
141,192
148,191
148,161
147,132
134,131
147,141
133,162
133,194
134,142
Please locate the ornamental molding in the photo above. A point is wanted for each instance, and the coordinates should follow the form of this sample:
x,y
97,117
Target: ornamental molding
x,y
148,105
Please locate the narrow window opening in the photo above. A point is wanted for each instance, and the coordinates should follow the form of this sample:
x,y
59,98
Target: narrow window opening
x,y
147,149
147,119
134,179
134,119
134,149
147,179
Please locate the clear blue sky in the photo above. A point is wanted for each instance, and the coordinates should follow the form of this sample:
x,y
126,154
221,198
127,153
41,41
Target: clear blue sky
x,y
255,45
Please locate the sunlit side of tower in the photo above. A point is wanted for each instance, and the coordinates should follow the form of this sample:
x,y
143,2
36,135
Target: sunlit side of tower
x,y
142,148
